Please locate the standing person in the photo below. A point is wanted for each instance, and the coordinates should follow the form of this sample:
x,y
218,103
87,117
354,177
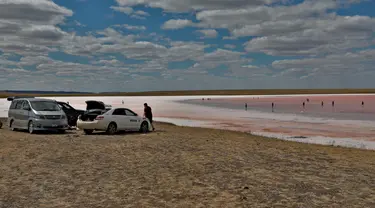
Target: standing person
x,y
273,105
148,114
322,104
303,104
363,104
246,106
333,103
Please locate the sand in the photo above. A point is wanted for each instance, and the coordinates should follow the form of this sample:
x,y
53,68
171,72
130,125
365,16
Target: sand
x,y
180,167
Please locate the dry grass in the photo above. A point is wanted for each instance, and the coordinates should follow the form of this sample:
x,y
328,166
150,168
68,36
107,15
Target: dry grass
x,y
180,167
211,92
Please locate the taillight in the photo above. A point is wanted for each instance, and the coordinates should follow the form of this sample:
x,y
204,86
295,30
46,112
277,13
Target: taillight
x,y
99,118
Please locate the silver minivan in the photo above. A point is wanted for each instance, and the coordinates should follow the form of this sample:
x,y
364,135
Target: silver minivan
x,y
36,114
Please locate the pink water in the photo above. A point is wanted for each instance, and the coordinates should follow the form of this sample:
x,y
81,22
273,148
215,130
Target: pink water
x,y
346,107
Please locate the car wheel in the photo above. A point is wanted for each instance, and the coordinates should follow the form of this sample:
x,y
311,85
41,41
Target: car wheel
x,y
11,125
112,128
61,131
144,127
88,131
30,127
1,124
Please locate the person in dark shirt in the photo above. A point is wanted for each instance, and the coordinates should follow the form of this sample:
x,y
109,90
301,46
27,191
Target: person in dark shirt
x,y
148,114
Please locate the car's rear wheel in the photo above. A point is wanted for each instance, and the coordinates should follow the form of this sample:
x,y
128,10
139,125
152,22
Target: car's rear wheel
x,y
112,128
30,127
144,127
61,131
88,131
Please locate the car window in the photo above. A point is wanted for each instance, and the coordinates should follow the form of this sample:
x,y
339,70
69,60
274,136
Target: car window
x,y
25,105
45,106
119,112
13,105
129,112
65,106
19,104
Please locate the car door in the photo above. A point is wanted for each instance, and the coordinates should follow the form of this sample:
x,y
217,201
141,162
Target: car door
x,y
122,121
134,121
17,114
12,114
25,113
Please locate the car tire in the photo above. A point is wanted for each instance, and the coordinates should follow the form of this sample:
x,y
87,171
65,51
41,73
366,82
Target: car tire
x,y
30,127
61,131
11,126
88,131
144,127
112,128
1,124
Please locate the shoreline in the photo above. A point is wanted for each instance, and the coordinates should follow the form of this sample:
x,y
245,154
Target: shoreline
x,y
284,127
305,139
292,140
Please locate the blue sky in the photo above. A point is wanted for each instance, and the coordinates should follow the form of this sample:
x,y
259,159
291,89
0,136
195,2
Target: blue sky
x,y
142,45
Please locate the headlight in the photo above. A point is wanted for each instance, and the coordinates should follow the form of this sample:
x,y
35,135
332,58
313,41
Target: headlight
x,y
40,117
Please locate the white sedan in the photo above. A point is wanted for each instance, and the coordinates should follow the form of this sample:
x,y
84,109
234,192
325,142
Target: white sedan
x,y
114,120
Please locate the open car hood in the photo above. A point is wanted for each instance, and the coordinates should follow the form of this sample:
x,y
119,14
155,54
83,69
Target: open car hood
x,y
93,104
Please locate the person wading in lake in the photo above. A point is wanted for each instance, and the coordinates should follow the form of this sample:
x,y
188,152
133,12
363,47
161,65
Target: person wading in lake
x,y
148,114
246,106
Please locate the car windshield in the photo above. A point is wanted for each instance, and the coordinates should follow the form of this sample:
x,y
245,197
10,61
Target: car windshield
x,y
45,106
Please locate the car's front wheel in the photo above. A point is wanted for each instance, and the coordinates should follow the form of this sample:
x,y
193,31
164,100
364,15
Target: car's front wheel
x,y
144,127
30,127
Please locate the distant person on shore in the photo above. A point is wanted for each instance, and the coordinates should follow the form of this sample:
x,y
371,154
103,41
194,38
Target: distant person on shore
x,y
123,102
303,105
333,103
363,104
67,102
273,105
245,106
148,114
322,104
308,100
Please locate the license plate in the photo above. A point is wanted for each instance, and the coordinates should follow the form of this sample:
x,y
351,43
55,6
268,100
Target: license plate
x,y
54,125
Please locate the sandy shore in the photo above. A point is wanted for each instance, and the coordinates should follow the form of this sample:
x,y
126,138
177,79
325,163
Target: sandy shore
x,y
180,167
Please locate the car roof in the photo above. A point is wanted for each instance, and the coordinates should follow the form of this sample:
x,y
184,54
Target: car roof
x,y
34,99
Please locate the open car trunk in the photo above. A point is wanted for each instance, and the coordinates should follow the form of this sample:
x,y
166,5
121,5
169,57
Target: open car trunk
x,y
93,104
93,109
